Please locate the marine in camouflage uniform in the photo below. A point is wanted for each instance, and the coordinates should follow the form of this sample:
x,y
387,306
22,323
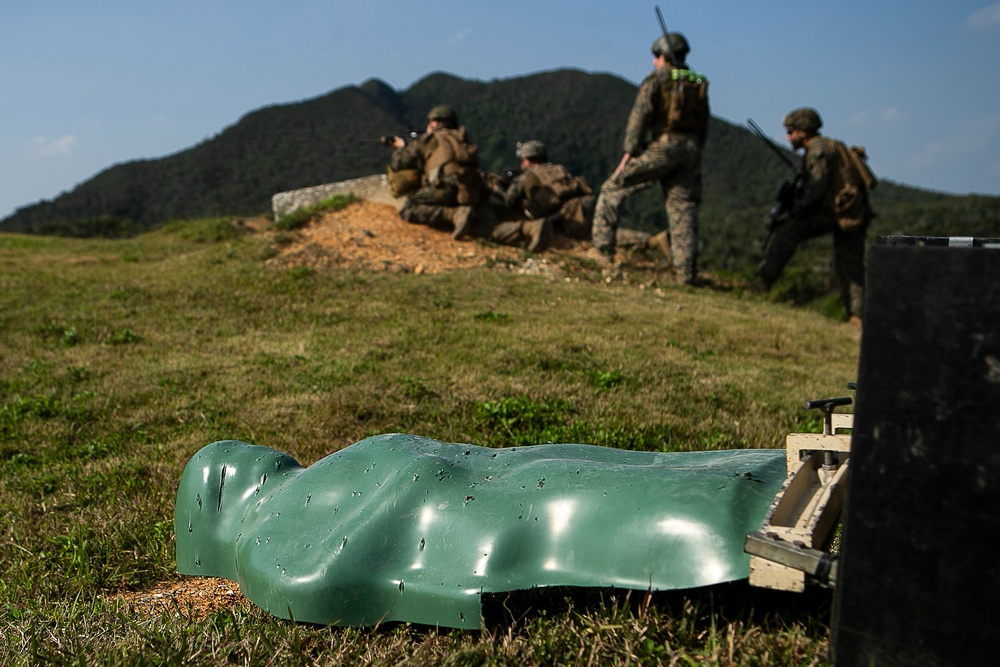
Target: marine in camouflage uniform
x,y
449,173
508,220
813,213
547,194
672,159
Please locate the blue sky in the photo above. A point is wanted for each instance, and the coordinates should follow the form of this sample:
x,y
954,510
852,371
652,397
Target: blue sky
x,y
89,85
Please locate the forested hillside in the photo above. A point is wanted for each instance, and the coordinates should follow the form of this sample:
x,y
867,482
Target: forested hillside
x,y
580,116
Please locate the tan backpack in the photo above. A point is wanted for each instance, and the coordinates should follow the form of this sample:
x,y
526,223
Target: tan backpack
x,y
553,185
851,204
402,181
454,156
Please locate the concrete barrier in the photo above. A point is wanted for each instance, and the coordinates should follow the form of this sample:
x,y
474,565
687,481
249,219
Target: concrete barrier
x,y
372,188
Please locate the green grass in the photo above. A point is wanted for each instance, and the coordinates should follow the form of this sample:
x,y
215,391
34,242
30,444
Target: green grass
x,y
119,359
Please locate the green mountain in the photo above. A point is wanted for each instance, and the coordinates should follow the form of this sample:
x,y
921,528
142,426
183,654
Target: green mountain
x,y
579,115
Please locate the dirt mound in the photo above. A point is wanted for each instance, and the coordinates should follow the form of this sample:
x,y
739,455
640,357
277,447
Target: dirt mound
x,y
371,236
193,598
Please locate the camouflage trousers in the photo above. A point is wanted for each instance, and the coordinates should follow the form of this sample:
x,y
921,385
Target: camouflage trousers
x,y
576,220
848,254
430,205
673,161
510,233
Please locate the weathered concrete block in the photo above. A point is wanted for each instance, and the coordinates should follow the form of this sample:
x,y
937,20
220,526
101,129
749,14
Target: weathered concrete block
x,y
372,188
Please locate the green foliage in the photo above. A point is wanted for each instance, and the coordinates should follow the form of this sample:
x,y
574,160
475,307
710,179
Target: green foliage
x,y
65,336
123,337
210,230
492,316
519,421
605,379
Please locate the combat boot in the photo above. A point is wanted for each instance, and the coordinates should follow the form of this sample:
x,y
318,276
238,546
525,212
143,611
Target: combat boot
x,y
538,232
610,269
506,233
461,217
660,243
603,260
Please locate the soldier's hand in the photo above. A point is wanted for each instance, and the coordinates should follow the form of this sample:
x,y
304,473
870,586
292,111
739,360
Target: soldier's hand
x,y
621,165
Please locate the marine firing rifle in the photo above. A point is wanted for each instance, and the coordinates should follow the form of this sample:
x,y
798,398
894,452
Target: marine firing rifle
x,y
781,211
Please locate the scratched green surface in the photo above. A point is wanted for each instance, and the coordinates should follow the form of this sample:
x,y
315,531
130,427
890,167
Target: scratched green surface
x,y
404,528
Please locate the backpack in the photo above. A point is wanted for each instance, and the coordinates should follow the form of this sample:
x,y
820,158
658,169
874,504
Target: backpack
x,y
552,186
454,156
688,109
576,217
402,181
856,179
858,157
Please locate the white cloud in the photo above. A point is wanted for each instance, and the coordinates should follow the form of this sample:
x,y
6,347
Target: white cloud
x,y
58,147
973,137
460,36
987,17
859,118
889,115
976,134
930,154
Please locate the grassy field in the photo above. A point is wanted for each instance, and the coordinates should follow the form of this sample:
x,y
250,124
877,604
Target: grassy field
x,y
120,359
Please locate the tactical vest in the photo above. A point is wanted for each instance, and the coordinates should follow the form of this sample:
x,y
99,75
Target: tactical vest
x,y
685,102
548,186
453,158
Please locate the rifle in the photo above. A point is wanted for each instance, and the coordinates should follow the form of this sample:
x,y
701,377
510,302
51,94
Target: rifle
x,y
390,139
508,174
780,212
666,37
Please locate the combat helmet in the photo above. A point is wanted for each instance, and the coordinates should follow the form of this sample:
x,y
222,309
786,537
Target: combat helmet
x,y
804,118
678,43
532,150
443,113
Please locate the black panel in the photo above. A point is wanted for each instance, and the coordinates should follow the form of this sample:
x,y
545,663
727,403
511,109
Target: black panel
x,y
919,577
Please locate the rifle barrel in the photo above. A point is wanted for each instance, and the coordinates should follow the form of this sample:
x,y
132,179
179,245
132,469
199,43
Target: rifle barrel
x,y
777,151
666,37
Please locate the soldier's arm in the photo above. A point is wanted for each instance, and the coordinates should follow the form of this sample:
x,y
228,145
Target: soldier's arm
x,y
640,117
817,169
621,164
409,156
514,197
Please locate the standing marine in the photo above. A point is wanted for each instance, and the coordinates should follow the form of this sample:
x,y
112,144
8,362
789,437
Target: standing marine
x,y
830,196
447,164
664,140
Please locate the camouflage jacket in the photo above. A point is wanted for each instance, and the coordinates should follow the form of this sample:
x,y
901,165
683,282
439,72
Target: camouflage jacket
x,y
542,188
820,165
648,118
443,152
